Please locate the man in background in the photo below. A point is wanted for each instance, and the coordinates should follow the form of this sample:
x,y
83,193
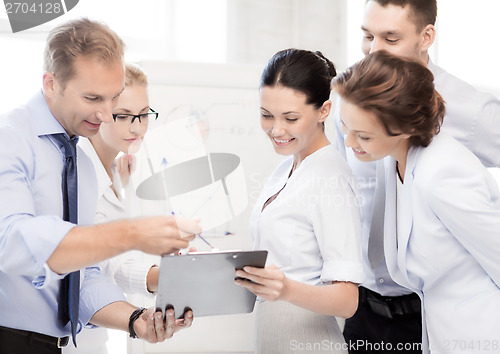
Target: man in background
x,y
387,312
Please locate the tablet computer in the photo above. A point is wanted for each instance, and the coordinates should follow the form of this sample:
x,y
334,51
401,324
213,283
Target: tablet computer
x,y
204,282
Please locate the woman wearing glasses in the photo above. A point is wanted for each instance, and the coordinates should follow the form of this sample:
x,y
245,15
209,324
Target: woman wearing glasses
x,y
131,116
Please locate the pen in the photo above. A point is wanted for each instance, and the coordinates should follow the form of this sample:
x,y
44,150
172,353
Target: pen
x,y
202,238
208,243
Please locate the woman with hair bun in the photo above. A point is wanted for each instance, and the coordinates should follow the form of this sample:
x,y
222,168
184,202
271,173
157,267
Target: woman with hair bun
x,y
442,207
307,215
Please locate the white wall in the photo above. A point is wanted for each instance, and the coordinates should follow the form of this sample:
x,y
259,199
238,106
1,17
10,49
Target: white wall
x,y
259,28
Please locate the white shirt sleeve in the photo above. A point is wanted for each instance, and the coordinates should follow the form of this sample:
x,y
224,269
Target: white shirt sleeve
x,y
487,134
129,272
336,224
467,201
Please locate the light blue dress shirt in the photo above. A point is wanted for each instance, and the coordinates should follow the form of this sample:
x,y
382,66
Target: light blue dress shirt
x,y
31,225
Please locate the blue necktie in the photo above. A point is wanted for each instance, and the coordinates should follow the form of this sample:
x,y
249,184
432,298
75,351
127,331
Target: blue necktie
x,y
69,292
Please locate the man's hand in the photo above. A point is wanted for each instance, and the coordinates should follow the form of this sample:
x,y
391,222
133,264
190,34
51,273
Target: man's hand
x,y
163,234
87,245
151,327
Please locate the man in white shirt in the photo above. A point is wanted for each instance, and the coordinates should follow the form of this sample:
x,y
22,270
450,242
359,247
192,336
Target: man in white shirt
x,y
388,315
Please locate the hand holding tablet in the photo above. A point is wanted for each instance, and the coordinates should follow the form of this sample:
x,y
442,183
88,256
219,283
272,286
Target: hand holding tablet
x,y
204,282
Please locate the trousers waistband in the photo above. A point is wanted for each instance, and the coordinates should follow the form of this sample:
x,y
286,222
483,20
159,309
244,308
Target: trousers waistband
x,y
389,306
43,338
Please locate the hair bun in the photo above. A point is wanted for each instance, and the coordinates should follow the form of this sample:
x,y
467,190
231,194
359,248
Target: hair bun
x,y
331,67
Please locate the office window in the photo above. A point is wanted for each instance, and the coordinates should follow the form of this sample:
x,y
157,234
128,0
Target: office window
x,y
174,30
467,43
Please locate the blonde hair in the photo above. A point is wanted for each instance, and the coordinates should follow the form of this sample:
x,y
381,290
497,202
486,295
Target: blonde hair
x,y
76,38
134,75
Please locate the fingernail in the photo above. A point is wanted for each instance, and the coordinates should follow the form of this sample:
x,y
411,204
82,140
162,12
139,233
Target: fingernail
x,y
158,316
170,314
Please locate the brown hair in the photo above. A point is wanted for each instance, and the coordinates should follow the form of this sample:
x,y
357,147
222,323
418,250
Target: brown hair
x,y
80,37
134,75
424,11
400,92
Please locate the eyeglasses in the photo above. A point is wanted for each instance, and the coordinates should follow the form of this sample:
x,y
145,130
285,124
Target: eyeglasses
x,y
130,118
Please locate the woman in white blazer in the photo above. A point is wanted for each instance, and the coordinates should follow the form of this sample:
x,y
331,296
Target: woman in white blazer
x,y
442,207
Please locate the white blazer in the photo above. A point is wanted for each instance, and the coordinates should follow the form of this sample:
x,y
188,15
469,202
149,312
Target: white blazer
x,y
448,249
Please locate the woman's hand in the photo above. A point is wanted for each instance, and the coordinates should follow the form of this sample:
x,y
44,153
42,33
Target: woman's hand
x,y
269,283
126,165
337,299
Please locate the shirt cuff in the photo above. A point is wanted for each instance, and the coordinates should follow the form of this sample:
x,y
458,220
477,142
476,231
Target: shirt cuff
x,y
138,279
49,230
48,277
343,271
128,273
97,292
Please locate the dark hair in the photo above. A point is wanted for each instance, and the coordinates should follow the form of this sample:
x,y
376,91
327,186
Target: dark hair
x,y
424,11
400,92
301,70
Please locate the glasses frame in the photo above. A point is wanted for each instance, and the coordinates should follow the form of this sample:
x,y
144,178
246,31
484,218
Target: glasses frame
x,y
151,112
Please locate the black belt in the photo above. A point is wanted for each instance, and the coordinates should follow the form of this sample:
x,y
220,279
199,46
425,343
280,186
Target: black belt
x,y
33,336
389,306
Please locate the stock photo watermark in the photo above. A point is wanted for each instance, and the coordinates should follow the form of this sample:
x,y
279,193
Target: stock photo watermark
x,y
329,346
26,14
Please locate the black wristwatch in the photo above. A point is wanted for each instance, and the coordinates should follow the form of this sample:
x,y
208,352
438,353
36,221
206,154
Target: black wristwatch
x,y
134,316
